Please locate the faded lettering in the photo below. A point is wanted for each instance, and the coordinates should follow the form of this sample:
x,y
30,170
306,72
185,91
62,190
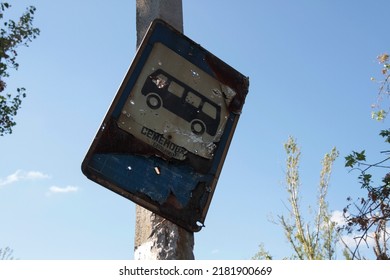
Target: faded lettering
x,y
163,144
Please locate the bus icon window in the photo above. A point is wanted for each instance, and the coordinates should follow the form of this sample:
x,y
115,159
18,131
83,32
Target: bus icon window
x,y
163,90
193,99
176,89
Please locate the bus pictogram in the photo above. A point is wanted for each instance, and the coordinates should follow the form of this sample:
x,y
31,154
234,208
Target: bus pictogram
x,y
164,90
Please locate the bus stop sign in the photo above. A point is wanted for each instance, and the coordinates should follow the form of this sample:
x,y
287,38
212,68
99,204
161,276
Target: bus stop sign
x,y
165,136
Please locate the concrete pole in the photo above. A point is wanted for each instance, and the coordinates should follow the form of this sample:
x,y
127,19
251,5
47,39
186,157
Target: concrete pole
x,y
155,237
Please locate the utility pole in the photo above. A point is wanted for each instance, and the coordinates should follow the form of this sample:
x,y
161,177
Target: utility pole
x,y
155,237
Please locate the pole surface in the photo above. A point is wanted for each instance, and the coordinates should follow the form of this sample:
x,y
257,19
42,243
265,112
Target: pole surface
x,y
147,10
155,237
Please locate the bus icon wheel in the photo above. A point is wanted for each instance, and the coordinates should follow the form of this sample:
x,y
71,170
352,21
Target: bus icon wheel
x,y
153,101
198,127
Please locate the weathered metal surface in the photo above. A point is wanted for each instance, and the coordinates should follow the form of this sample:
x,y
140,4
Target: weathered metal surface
x,y
181,109
165,137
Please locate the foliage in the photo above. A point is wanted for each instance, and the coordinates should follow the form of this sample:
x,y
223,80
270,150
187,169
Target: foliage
x,y
13,34
372,213
262,254
384,89
9,106
309,241
368,217
6,253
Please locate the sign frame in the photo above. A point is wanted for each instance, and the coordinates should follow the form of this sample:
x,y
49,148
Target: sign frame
x,y
178,187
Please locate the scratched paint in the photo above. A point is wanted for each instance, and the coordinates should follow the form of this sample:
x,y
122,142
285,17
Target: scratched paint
x,y
163,179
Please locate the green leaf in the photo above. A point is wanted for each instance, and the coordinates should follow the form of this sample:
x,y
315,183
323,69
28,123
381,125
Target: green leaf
x,y
385,134
360,156
379,115
350,161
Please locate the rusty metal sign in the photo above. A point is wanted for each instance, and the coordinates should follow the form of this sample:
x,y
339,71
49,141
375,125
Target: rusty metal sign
x,y
165,137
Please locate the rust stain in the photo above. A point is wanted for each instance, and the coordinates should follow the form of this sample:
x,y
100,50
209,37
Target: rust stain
x,y
233,79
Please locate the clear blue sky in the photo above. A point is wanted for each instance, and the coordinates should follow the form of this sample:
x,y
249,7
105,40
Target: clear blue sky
x,y
309,64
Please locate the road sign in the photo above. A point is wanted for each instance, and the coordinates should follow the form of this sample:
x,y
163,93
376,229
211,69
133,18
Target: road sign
x,y
165,137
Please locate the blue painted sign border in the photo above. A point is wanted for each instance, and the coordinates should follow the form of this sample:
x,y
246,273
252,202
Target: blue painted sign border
x,y
179,190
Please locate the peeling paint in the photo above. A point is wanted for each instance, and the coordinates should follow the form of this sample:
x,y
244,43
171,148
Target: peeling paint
x,y
165,243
